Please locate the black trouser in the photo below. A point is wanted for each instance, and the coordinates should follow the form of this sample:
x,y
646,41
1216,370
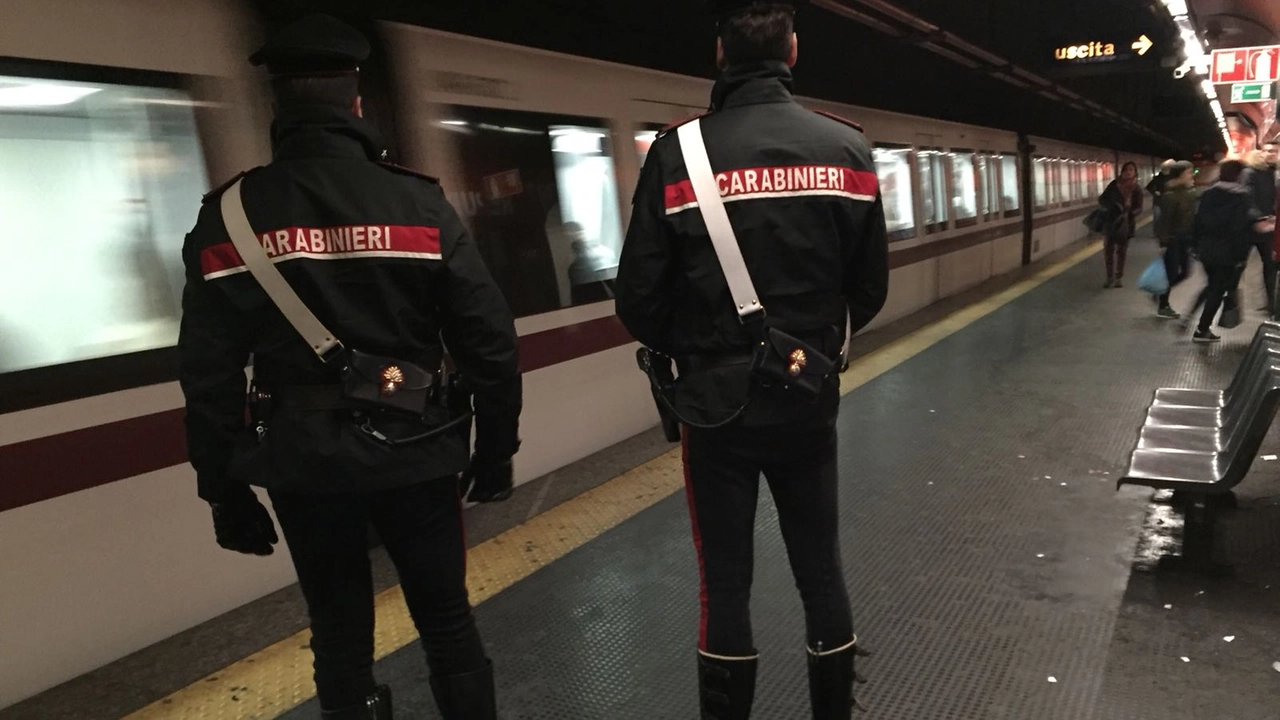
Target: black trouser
x,y
421,527
722,480
1115,250
1263,244
1177,265
1222,278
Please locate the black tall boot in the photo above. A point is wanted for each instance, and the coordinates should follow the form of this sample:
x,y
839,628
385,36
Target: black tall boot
x,y
726,686
468,696
831,678
375,707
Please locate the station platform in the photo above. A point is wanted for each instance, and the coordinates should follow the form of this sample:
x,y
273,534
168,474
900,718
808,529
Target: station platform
x,y
993,567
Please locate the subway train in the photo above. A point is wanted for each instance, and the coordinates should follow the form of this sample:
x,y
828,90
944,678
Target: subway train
x,y
115,120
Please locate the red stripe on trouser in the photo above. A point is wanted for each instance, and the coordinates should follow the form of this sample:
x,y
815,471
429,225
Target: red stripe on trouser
x,y
462,526
697,544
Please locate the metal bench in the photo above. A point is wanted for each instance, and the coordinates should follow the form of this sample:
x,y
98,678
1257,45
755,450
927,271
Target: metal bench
x,y
1205,430
1203,452
1267,335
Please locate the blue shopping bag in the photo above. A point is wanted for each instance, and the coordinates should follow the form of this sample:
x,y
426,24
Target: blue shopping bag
x,y
1154,279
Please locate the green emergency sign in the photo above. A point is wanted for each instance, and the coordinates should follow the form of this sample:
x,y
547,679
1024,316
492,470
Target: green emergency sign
x,y
1252,92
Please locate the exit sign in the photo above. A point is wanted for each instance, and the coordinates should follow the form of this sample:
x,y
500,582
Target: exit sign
x,y
1252,92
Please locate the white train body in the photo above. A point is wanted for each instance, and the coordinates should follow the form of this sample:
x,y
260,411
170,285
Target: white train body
x,y
107,552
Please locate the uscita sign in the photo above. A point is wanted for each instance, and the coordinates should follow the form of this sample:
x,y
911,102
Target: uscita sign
x,y
1086,51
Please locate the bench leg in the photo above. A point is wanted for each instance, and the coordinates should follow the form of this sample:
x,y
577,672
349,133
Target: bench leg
x,y
1184,500
1199,531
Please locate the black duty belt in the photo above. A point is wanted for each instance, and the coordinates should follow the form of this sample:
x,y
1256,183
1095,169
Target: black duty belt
x,y
310,397
701,363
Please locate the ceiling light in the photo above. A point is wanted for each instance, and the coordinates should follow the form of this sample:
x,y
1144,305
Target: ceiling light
x,y
42,95
1210,90
1176,7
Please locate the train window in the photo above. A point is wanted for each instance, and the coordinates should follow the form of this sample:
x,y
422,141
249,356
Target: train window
x,y
539,194
644,141
99,183
989,193
893,167
933,190
964,188
1059,182
1010,191
1040,179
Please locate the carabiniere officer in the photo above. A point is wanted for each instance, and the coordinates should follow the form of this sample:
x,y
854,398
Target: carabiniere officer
x,y
802,196
382,260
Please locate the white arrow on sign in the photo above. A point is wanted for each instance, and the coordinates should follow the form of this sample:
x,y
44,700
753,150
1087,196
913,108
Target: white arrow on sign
x,y
1143,44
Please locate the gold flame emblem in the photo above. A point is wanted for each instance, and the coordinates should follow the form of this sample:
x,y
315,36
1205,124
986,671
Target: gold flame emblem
x,y
798,361
392,378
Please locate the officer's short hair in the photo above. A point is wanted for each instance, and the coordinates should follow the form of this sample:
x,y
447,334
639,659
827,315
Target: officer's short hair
x,y
338,90
1230,170
758,34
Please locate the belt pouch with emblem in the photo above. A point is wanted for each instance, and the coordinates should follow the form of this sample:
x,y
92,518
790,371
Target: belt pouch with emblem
x,y
781,359
375,381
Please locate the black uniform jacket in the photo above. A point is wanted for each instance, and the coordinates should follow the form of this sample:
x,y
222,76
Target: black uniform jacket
x,y
801,193
382,259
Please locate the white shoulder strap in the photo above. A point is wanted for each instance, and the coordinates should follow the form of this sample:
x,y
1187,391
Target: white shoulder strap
x,y
717,220
325,345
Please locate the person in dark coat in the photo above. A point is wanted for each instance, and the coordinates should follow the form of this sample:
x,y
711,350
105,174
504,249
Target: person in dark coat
x,y
380,258
1260,179
1123,202
1225,226
1161,179
802,198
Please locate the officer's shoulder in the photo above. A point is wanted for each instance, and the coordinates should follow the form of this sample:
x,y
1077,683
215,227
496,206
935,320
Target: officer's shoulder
x,y
841,120
679,123
410,172
216,193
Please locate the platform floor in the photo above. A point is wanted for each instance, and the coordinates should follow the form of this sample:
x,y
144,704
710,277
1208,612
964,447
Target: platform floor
x,y
993,567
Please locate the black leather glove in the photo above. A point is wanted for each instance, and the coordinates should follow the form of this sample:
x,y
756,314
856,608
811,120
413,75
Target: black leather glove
x,y
487,481
858,679
242,524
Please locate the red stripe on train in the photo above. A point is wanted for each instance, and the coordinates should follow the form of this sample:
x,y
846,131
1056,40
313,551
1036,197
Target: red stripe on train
x,y
49,467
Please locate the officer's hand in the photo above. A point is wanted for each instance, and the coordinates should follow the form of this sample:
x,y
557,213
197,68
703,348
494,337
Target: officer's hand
x,y
488,481
858,651
242,524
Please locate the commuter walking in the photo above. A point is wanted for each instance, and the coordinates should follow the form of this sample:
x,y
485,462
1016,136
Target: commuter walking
x,y
1174,226
344,278
1225,226
1122,201
1260,179
1159,181
756,228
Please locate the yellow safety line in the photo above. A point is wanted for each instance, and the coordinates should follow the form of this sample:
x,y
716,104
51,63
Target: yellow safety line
x,y
278,678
